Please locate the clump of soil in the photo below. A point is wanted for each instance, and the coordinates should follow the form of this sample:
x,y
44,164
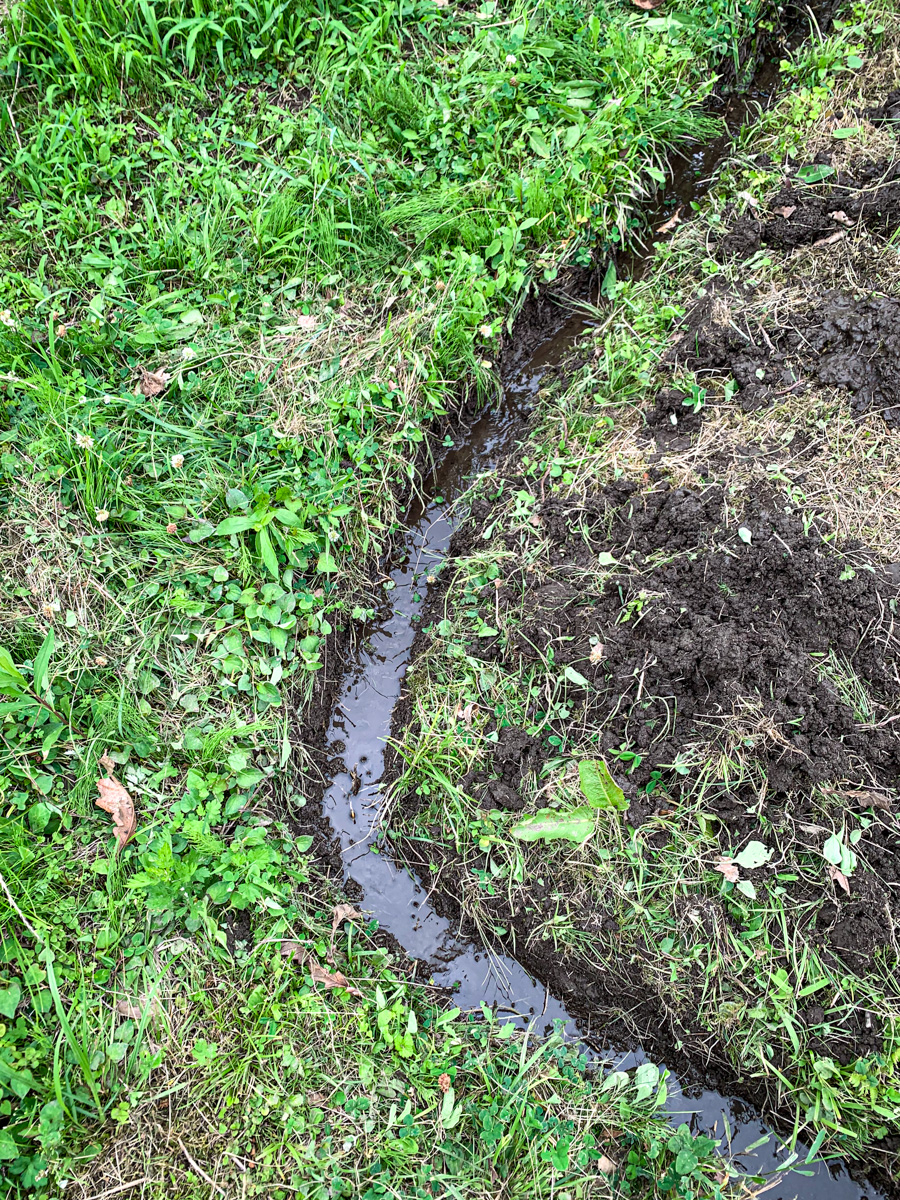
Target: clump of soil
x,y
799,215
839,341
731,631
779,650
836,339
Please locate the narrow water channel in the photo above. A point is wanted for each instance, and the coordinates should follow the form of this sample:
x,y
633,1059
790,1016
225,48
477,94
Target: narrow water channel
x,y
359,730
361,724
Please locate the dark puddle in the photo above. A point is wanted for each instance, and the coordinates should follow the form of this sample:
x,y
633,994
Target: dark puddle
x,y
361,725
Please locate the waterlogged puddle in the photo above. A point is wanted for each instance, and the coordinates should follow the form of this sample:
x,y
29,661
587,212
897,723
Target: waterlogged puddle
x,y
354,805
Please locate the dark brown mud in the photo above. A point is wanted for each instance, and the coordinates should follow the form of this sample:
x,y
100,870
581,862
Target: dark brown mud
x,y
817,338
707,637
841,207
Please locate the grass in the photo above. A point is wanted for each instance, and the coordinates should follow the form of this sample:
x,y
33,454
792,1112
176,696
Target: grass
x,y
735,969
255,257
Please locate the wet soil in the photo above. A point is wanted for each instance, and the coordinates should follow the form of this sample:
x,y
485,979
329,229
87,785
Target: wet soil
x,y
833,339
706,637
847,204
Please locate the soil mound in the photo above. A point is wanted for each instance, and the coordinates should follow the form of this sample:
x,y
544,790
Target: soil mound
x,y
707,635
839,341
800,216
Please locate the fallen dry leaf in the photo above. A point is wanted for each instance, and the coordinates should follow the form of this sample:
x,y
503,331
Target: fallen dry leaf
x,y
465,714
841,218
328,979
864,796
669,225
342,912
125,1008
728,869
606,1165
331,979
834,237
151,383
316,1099
786,210
116,801
292,950
836,875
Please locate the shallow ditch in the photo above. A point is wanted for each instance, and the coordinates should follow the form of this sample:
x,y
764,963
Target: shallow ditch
x,y
362,719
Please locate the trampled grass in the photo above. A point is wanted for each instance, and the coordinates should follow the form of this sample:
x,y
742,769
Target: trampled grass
x,y
255,258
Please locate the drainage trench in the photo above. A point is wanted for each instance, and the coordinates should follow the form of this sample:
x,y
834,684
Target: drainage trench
x,y
361,721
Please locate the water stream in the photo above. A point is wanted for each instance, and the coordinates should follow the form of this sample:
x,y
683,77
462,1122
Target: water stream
x,y
361,723
359,729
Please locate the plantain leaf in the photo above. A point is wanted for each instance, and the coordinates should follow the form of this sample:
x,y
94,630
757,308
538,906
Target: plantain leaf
x,y
576,825
235,525
598,786
267,551
42,661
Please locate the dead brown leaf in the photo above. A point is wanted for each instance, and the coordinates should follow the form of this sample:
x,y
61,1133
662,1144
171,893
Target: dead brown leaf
x,y
328,979
127,1008
841,218
834,237
786,210
668,226
292,950
116,801
864,796
728,869
151,383
836,875
342,912
465,714
331,979
316,1099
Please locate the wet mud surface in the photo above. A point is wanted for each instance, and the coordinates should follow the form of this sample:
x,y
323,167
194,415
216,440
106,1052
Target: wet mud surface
x,y
828,338
845,204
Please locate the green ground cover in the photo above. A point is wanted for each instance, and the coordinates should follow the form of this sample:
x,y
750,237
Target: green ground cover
x,y
253,257
678,906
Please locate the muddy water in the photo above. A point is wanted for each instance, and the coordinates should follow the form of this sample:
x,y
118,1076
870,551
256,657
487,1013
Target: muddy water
x,y
355,807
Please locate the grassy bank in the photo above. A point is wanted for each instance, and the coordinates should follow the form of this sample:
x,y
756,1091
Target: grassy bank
x,y
254,259
651,747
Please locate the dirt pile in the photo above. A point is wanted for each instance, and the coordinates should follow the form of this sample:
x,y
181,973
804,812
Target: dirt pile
x,y
839,341
754,640
707,633
839,208
773,346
